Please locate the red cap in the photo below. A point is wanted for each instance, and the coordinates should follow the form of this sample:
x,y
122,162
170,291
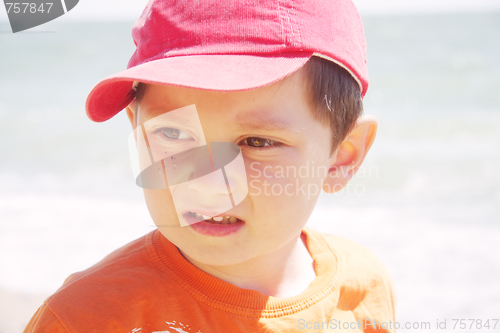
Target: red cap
x,y
228,45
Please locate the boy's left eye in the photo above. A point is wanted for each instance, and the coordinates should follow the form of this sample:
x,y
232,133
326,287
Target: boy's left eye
x,y
175,133
257,142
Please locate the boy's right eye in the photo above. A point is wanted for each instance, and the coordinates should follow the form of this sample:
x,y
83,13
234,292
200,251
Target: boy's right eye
x,y
175,134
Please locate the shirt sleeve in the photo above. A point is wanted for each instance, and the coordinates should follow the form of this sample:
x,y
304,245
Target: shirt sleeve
x,y
367,288
377,310
45,321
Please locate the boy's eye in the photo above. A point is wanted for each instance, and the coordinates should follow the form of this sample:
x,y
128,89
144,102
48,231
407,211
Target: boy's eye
x,y
259,142
256,142
175,133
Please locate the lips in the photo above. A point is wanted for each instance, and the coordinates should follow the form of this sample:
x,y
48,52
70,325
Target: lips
x,y
216,226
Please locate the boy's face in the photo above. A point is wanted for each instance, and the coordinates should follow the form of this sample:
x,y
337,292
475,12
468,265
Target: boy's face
x,y
286,153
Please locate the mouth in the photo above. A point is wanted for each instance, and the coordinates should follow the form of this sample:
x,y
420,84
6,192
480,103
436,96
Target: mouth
x,y
220,219
216,226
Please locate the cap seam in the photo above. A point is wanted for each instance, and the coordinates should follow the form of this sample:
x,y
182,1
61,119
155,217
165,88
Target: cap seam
x,y
285,24
299,34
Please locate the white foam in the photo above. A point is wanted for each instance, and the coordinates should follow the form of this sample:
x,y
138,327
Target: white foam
x,y
46,237
440,270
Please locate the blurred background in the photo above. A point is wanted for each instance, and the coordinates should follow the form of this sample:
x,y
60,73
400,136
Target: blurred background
x,y
426,202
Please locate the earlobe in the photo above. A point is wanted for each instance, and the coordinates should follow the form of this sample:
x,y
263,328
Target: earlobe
x,y
350,154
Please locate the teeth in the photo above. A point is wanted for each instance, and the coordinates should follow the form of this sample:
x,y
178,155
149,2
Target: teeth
x,y
199,216
221,219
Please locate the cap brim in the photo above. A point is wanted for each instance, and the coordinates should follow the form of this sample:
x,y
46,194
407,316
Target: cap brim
x,y
208,72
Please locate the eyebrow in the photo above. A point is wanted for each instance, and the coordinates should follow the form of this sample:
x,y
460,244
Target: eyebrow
x,y
178,120
265,125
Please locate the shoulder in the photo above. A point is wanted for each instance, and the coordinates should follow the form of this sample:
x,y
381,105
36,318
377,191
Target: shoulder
x,y
44,320
118,284
357,258
133,256
366,286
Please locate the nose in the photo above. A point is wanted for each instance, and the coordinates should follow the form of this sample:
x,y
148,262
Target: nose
x,y
229,175
211,184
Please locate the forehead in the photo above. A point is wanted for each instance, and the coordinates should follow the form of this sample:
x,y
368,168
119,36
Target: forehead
x,y
268,104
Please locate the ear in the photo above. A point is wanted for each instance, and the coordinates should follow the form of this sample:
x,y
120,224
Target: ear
x,y
130,109
350,154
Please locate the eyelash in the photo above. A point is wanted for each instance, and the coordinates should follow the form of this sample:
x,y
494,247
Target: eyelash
x,y
161,131
273,144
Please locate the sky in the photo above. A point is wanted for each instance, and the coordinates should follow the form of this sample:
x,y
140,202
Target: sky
x,y
131,9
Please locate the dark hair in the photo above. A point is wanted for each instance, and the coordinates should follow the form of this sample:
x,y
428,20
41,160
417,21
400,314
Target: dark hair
x,y
140,89
334,97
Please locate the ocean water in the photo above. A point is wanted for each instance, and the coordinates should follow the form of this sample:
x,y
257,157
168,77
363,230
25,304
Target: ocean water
x,y
426,201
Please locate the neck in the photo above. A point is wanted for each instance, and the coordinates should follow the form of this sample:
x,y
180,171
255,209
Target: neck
x,y
285,272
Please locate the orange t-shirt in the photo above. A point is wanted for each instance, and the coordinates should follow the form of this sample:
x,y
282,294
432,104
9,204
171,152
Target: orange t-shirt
x,y
148,286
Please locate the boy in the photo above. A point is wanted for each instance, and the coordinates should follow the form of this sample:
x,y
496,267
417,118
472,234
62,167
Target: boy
x,y
241,111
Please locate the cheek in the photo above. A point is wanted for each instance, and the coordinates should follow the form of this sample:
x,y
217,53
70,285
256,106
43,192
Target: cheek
x,y
161,207
294,186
